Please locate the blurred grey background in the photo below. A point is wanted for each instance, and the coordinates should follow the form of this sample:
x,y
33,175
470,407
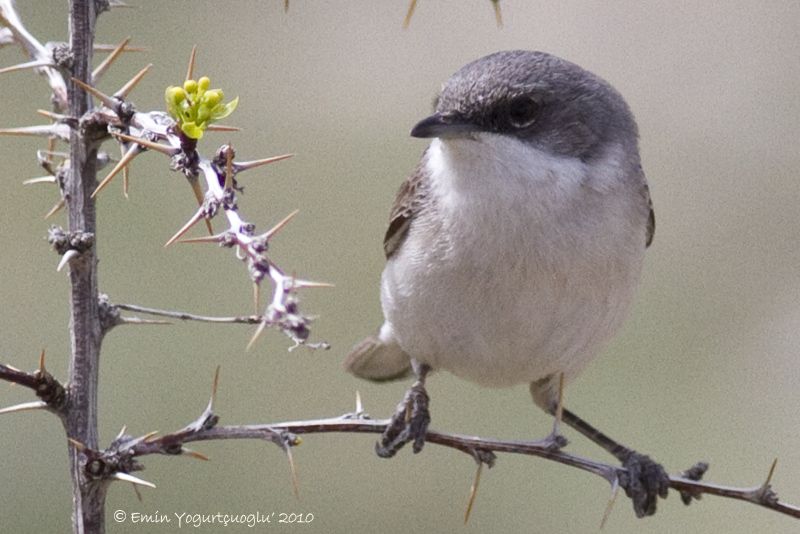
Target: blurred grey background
x,y
706,367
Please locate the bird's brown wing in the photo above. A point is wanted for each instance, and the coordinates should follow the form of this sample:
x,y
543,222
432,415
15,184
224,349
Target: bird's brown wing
x,y
651,219
406,206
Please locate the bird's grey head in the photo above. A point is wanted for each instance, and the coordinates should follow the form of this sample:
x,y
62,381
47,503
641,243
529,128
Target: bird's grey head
x,y
537,98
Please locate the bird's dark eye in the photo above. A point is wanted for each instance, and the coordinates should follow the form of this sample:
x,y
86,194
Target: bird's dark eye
x,y
522,111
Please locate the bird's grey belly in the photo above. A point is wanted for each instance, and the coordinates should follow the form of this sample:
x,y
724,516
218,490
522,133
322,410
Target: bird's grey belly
x,y
501,319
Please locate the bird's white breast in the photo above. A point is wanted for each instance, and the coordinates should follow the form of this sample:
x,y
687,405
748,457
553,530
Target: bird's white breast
x,y
522,265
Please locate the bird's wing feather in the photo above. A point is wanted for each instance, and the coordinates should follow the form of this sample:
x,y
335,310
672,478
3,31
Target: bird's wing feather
x,y
406,206
651,219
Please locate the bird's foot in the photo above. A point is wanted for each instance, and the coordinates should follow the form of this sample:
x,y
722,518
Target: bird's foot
x,y
553,442
409,423
644,481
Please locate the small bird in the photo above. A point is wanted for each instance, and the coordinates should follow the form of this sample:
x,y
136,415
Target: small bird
x,y
515,247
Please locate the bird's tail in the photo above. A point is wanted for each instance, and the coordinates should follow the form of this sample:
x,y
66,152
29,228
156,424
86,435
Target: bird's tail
x,y
377,360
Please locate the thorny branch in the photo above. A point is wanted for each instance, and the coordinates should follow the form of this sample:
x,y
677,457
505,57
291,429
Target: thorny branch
x,y
125,449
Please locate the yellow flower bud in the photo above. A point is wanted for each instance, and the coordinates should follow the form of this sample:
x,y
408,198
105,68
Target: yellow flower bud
x,y
212,98
190,86
175,95
204,83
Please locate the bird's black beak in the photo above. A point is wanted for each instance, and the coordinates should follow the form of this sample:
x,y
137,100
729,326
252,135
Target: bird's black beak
x,y
440,125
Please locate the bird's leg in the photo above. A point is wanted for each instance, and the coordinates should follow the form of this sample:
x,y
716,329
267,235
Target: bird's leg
x,y
410,420
644,480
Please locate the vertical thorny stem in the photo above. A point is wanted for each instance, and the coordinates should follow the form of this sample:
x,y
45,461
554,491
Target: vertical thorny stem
x,y
85,333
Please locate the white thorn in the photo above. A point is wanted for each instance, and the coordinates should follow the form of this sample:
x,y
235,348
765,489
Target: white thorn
x,y
66,258
359,406
125,477
24,407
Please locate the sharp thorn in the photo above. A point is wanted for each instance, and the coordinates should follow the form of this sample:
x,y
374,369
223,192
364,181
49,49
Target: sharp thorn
x,y
40,180
125,477
42,368
52,115
410,13
36,64
203,239
256,297
256,335
125,182
247,165
200,197
222,128
214,386
611,501
132,152
24,407
771,472
77,444
302,284
190,69
121,432
148,436
46,130
293,471
275,229
473,492
229,167
359,405
164,149
128,87
137,320
194,454
560,407
104,48
55,209
185,228
98,72
498,15
104,98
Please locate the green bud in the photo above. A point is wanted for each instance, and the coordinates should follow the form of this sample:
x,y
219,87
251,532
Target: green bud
x,y
175,95
190,86
212,97
204,83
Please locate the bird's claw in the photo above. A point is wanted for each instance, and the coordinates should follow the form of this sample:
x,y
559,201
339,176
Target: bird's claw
x,y
644,481
409,423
